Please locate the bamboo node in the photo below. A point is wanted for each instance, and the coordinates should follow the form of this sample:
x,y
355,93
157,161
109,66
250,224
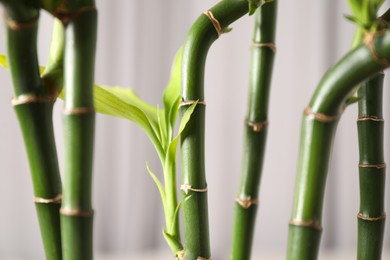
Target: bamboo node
x,y
269,45
257,126
14,25
78,111
187,187
56,200
366,218
247,202
370,118
319,116
216,23
203,258
377,166
313,224
180,255
64,15
76,213
190,102
27,99
369,42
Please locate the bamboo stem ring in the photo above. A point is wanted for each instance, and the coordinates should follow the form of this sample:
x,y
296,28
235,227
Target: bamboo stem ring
x,y
362,217
14,25
257,126
247,202
56,200
269,45
313,224
319,116
65,15
76,213
370,118
188,187
377,166
27,99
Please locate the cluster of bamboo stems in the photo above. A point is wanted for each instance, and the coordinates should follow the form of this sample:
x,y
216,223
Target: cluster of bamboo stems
x,y
65,210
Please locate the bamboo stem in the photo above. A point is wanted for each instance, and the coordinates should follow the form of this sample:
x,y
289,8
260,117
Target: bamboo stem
x,y
371,217
263,52
78,122
33,106
199,39
317,138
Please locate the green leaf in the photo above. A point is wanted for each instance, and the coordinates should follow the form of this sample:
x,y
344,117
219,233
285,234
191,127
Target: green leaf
x,y
175,219
159,186
186,117
171,97
3,61
110,104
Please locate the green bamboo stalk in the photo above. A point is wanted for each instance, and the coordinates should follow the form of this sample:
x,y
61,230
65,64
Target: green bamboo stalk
x,y
33,106
371,217
78,124
263,52
199,39
318,128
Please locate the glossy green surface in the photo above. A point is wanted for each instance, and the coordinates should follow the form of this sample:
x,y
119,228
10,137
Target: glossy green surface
x,y
254,142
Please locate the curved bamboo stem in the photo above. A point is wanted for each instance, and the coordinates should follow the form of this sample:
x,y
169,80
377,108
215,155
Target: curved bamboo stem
x,y
33,106
371,217
318,127
202,34
263,52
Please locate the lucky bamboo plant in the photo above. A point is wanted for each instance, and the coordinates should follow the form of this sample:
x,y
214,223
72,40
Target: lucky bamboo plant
x,y
65,210
365,60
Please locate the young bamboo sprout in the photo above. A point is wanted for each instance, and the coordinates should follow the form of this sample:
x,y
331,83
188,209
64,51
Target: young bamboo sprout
x,y
318,128
263,52
33,105
207,28
371,217
80,21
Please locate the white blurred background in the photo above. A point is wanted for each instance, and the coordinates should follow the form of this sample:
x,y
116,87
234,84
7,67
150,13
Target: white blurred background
x,y
136,44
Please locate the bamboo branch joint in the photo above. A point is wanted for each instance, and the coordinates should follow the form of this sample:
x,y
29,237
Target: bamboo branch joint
x,y
216,23
256,126
319,116
369,42
247,202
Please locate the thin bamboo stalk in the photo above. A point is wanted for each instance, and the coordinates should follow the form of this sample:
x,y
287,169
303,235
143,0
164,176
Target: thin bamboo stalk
x,y
371,217
202,34
263,52
78,125
33,106
318,128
